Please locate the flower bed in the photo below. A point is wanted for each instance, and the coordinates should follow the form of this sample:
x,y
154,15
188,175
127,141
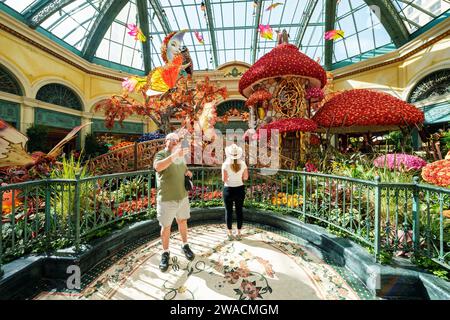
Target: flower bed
x,y
399,161
437,173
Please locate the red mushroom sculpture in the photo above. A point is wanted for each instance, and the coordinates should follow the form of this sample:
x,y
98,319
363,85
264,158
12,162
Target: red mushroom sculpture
x,y
287,74
291,125
361,110
260,100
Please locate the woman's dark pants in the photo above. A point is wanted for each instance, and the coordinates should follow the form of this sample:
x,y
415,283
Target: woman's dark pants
x,y
233,195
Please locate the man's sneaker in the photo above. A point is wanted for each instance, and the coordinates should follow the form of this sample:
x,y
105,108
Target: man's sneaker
x,y
164,264
188,252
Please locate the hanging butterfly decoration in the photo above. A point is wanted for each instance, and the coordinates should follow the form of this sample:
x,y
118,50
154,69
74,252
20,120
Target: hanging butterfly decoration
x,y
136,32
334,34
199,37
273,6
265,31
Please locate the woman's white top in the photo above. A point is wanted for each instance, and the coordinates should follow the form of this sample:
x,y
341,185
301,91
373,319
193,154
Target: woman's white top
x,y
234,178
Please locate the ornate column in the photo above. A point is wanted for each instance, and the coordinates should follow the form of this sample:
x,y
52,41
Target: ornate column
x,y
26,115
85,118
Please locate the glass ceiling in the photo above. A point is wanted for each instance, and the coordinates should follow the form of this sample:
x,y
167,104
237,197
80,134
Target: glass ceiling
x,y
96,29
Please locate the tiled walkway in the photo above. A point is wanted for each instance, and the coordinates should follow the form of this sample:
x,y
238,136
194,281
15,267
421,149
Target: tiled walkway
x,y
266,264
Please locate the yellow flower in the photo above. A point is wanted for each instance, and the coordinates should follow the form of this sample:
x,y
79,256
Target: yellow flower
x,y
182,289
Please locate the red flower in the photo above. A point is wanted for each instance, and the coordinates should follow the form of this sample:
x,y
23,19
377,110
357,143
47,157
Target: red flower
x,y
315,93
258,96
314,140
360,107
289,125
437,173
284,60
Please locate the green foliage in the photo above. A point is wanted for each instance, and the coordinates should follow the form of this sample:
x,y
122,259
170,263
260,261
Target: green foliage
x,y
401,142
64,199
445,141
69,169
265,206
37,138
433,267
92,148
131,189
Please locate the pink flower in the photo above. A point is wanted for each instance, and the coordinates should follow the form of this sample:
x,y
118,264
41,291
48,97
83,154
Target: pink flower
x,y
310,167
250,289
399,161
129,84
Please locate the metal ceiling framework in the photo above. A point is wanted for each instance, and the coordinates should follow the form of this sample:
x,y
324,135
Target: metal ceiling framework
x,y
212,31
391,15
160,13
391,20
101,25
305,21
142,9
330,21
43,9
255,33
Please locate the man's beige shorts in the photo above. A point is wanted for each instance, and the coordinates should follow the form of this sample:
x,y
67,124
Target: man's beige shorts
x,y
167,210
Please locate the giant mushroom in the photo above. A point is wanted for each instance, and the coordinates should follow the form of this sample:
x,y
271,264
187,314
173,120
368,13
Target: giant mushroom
x,y
287,74
366,111
362,110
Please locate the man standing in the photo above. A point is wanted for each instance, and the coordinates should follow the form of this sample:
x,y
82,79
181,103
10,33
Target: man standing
x,y
172,199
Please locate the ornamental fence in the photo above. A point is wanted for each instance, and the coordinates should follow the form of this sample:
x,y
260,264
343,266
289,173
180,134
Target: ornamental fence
x,y
404,219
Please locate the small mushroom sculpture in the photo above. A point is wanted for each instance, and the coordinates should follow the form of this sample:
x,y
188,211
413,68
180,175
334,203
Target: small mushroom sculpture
x,y
362,110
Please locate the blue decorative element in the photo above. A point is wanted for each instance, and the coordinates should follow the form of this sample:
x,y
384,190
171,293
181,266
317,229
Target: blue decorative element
x,y
10,112
127,127
151,136
56,119
437,113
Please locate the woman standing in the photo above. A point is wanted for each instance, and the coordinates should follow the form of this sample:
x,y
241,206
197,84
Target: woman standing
x,y
234,173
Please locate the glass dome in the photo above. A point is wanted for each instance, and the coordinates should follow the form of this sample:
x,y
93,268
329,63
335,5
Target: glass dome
x,y
96,29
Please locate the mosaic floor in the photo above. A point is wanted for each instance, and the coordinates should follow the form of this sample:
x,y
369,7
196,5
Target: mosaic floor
x,y
267,264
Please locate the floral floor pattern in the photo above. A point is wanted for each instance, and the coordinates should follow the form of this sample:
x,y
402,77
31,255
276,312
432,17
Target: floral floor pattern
x,y
263,265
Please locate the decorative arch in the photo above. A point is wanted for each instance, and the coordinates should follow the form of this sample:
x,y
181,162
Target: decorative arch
x,y
9,83
94,101
226,105
61,95
434,84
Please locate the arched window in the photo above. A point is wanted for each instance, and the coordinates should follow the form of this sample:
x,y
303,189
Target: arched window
x,y
8,82
60,95
223,107
433,85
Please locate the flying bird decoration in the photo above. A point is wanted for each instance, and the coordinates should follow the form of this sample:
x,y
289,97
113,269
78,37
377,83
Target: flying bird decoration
x,y
165,78
136,32
265,31
273,6
334,34
199,37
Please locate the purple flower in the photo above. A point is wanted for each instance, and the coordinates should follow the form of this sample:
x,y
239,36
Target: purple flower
x,y
399,161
